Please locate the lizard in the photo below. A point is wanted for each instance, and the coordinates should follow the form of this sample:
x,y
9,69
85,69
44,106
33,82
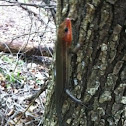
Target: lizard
x,y
64,40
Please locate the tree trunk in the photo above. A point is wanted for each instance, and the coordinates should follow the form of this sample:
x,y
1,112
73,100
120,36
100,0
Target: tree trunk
x,y
98,70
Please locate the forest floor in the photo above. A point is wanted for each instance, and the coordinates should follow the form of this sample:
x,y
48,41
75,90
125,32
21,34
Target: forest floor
x,y
20,79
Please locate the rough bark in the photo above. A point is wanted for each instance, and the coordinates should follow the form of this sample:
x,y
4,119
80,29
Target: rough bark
x,y
98,70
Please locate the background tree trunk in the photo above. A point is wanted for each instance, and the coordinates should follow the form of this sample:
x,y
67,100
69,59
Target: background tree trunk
x,y
98,70
27,48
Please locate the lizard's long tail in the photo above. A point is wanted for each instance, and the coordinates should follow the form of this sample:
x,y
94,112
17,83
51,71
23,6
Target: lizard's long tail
x,y
59,113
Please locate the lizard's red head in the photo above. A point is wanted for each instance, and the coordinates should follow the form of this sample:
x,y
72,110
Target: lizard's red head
x,y
65,31
68,31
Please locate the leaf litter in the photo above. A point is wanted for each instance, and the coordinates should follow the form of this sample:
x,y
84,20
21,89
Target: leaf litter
x,y
19,79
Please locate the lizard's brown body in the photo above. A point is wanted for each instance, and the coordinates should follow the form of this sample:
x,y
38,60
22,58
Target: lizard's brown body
x,y
64,40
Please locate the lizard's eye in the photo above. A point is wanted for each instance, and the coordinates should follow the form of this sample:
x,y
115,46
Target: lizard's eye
x,y
66,29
